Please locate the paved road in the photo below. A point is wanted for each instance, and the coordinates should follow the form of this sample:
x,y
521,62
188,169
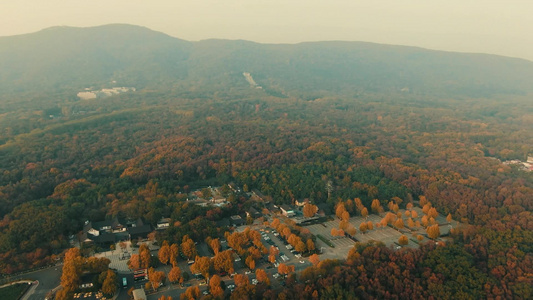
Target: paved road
x,y
48,279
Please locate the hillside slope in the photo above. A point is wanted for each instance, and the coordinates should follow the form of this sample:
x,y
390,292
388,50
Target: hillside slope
x,y
62,57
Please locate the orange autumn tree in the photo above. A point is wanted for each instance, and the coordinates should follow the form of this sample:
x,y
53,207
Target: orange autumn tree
x,y
214,244
310,245
164,253
250,262
215,288
376,206
262,276
363,227
340,210
284,269
333,231
351,230
145,256
273,253
202,264
314,259
309,210
433,231
155,278
364,212
109,286
432,213
173,254
399,223
370,225
188,247
192,293
449,218
241,280
175,275
71,270
223,261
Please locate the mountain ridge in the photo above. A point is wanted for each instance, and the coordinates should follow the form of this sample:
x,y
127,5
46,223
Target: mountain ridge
x,y
65,57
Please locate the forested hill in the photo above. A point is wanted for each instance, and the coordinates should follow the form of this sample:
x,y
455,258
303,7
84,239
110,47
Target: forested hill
x,y
333,123
65,58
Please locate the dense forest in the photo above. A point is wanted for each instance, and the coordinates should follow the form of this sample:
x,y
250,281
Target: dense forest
x,y
64,160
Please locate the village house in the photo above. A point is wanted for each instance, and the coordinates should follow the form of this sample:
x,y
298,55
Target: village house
x,y
287,211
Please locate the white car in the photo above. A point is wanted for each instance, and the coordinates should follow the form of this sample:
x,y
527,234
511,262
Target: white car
x,y
276,275
248,272
288,247
298,255
302,262
284,257
254,281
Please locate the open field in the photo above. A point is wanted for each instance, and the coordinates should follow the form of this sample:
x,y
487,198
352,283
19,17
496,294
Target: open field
x,y
13,292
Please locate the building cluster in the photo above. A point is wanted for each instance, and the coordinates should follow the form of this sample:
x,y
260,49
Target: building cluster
x,y
88,94
526,166
108,232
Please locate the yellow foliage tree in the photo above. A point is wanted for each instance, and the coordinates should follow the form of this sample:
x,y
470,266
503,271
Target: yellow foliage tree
x,y
309,210
433,231
215,288
175,274
399,224
314,259
370,225
364,212
363,227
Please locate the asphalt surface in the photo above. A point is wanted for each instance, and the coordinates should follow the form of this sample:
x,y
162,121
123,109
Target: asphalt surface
x,y
48,278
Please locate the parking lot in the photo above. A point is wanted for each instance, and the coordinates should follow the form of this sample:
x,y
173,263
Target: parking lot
x,y
342,244
298,262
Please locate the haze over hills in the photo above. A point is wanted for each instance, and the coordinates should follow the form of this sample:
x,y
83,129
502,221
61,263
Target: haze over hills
x,y
61,58
362,133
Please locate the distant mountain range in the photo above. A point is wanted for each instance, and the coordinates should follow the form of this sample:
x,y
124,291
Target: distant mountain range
x,y
75,58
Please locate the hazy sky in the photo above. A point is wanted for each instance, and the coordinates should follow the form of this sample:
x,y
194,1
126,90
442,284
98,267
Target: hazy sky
x,y
501,27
